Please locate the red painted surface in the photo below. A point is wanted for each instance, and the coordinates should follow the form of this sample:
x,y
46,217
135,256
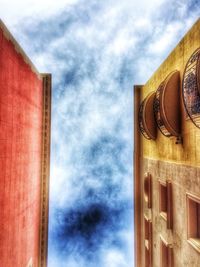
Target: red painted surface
x,y
20,158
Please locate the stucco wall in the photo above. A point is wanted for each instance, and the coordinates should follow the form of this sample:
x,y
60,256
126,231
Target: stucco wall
x,y
184,179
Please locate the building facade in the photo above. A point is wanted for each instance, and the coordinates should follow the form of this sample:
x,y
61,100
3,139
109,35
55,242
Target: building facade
x,y
167,160
25,105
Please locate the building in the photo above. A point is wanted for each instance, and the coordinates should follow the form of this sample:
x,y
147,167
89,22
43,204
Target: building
x,y
25,104
167,160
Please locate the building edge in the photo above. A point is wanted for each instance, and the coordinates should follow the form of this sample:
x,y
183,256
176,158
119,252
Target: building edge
x,y
45,170
137,180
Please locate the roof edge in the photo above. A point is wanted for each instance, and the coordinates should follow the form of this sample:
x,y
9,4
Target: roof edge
x,y
18,48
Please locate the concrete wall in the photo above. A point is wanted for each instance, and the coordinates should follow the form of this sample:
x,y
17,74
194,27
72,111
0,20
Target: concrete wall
x,y
166,160
21,101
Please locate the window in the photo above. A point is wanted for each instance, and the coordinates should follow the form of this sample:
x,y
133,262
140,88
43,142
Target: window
x,y
166,253
163,200
193,219
148,190
148,241
165,209
147,256
146,230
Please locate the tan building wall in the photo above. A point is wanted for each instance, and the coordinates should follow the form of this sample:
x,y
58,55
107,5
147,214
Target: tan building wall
x,y
165,161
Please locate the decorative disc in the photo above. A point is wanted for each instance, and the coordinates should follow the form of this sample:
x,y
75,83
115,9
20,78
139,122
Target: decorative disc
x,y
147,122
191,88
167,105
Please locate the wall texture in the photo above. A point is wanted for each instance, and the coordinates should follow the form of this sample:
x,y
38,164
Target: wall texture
x,y
21,106
166,160
164,148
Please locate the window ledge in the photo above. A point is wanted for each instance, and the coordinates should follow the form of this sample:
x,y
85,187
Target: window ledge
x,y
163,215
146,242
195,243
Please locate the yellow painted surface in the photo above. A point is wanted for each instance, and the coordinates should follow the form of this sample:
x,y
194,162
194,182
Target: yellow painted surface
x,y
165,148
179,163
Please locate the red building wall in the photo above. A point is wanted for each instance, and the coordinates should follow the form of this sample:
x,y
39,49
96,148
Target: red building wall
x,y
21,94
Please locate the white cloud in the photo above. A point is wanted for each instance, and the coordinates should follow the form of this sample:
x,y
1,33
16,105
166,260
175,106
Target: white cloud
x,y
12,11
95,58
114,258
164,37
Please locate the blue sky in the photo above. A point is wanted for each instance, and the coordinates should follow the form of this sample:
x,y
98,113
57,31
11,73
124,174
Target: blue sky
x,y
96,51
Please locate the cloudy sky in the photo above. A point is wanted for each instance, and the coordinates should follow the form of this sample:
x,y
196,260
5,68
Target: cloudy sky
x,y
96,51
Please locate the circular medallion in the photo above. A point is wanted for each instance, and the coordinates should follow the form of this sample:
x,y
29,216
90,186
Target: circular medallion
x,y
147,123
167,105
191,88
